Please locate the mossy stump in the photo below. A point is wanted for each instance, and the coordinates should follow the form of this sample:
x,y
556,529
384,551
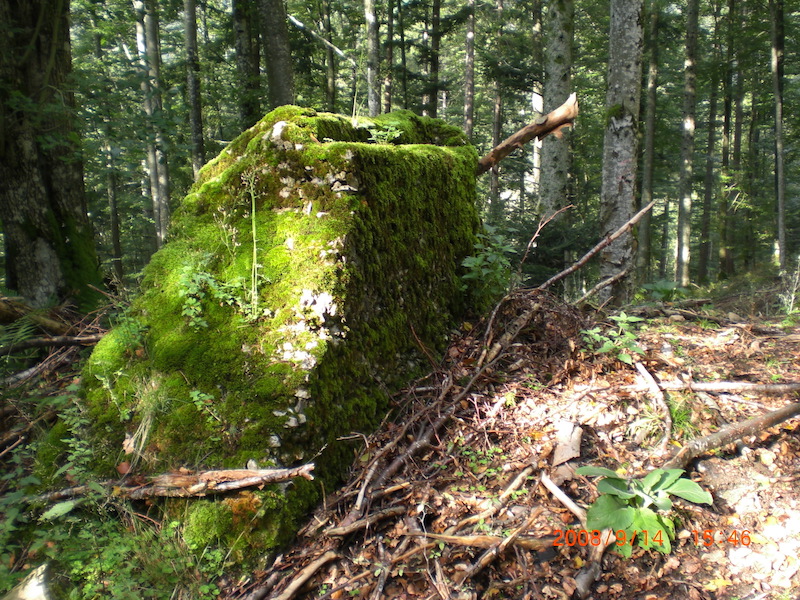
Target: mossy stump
x,y
283,309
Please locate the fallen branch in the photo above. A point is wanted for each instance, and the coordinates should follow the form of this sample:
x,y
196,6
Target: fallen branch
x,y
12,310
606,242
714,387
661,402
186,485
59,340
730,434
553,122
305,575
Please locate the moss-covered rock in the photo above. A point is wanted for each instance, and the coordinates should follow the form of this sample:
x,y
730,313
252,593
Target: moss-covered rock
x,y
284,308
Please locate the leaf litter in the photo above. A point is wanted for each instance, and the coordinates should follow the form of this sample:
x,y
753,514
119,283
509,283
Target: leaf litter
x,y
466,492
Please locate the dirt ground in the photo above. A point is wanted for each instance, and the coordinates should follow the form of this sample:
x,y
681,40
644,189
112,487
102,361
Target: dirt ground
x,y
451,500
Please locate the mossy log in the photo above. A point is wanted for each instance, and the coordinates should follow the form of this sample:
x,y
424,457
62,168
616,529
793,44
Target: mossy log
x,y
278,317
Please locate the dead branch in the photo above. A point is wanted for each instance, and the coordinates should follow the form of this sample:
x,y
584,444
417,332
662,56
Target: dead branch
x,y
606,242
660,401
11,310
715,387
59,340
305,575
601,285
393,511
186,485
730,434
553,122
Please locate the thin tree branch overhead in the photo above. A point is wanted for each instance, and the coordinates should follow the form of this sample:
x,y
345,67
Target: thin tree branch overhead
x,y
563,116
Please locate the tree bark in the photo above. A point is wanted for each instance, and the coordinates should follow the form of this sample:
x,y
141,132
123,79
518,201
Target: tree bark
x,y
49,242
330,58
433,71
277,52
193,87
147,43
687,146
777,34
556,162
388,75
710,180
620,146
373,59
245,43
725,250
469,72
644,253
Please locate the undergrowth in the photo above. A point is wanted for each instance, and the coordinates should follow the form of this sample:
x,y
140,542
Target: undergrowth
x,y
97,545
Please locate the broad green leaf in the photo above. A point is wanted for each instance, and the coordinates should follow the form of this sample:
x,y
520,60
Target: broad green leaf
x,y
658,536
652,479
689,490
609,512
597,472
662,501
59,510
617,487
625,357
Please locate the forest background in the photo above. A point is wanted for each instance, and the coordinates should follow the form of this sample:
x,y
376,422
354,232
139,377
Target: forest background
x,y
159,87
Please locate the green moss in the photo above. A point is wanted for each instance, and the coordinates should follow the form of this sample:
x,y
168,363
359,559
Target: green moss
x,y
357,252
208,523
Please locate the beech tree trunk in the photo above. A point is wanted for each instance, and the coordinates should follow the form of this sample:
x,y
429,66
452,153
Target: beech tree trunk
x,y
277,53
373,59
559,34
620,145
433,73
469,73
777,30
388,71
193,87
147,44
725,251
49,243
687,146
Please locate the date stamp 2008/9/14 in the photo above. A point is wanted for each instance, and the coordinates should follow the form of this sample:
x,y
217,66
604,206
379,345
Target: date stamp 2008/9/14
x,y
706,537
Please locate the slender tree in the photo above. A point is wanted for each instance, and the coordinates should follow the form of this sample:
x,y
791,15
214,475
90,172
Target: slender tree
x,y
687,145
193,87
277,53
148,45
49,243
777,31
620,146
434,58
559,35
469,72
644,252
373,59
388,71
245,44
710,179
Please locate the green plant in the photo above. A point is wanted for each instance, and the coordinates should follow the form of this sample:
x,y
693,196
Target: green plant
x,y
488,273
665,291
790,295
636,509
619,340
195,286
384,135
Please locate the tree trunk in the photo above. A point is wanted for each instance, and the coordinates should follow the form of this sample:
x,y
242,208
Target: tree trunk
x,y
469,73
559,28
687,146
777,30
725,250
617,195
193,87
433,73
373,59
49,243
403,62
330,58
245,43
149,63
389,67
277,53
644,252
710,180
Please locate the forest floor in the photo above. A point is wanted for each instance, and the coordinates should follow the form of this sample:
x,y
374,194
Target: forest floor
x,y
465,494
